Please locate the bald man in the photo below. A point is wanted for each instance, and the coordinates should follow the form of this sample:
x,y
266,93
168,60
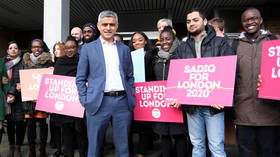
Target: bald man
x,y
77,33
257,120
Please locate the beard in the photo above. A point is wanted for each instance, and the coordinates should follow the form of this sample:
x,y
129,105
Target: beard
x,y
198,31
89,39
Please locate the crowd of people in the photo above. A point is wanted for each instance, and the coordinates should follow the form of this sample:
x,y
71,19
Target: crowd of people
x,y
103,68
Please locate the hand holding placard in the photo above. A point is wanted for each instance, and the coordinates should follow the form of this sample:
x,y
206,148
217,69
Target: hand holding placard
x,y
269,82
203,81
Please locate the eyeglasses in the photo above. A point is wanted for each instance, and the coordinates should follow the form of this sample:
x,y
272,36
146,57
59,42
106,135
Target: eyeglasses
x,y
34,47
70,47
253,19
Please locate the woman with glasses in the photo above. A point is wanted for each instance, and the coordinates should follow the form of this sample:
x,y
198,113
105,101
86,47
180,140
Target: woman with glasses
x,y
38,58
71,126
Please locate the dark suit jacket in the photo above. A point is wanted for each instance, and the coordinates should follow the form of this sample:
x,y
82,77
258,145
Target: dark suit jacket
x,y
91,69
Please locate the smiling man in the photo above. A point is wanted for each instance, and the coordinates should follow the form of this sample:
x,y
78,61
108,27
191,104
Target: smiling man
x,y
203,42
89,32
77,33
106,66
256,119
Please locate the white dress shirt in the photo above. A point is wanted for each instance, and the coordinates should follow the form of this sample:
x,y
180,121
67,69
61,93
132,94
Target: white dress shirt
x,y
112,63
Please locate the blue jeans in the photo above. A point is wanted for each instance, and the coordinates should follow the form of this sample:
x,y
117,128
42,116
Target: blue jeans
x,y
214,124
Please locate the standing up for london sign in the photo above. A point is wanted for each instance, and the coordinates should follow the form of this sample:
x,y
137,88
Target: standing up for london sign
x,y
270,70
203,81
58,94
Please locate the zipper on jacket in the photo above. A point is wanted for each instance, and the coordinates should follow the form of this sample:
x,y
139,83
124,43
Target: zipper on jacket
x,y
163,69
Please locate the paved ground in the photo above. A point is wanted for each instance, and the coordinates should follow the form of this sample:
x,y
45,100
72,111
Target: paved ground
x,y
108,150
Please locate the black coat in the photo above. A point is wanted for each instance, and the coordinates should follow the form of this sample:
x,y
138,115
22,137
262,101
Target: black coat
x,y
144,127
17,112
211,46
67,67
160,68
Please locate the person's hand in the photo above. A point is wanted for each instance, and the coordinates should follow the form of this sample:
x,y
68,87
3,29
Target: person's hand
x,y
176,105
219,107
4,80
10,98
18,87
259,82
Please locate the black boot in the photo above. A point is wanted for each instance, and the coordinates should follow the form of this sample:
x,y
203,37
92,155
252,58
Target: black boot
x,y
17,151
1,133
43,150
57,153
32,152
11,151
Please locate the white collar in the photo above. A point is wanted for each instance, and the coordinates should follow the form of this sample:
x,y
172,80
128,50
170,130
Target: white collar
x,y
105,42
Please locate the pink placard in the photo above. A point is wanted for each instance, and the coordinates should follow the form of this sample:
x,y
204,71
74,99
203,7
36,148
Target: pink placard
x,y
30,82
150,104
203,81
58,94
270,70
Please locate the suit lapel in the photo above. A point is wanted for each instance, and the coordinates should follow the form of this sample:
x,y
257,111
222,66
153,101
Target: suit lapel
x,y
100,55
120,54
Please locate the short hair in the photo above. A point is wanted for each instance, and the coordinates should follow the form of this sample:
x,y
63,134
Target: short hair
x,y
147,47
168,21
70,38
42,43
168,29
37,40
80,30
252,8
107,13
219,22
200,11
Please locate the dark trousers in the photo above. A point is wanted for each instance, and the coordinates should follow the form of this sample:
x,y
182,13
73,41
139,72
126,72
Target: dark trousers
x,y
31,133
265,136
16,131
57,137
145,142
180,145
68,134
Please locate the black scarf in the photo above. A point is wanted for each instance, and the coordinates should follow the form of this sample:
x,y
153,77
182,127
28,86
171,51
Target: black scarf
x,y
66,66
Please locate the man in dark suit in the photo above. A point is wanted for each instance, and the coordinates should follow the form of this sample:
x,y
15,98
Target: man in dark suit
x,y
107,67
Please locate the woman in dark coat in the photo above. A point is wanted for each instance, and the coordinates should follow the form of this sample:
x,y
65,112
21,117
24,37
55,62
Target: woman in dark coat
x,y
55,130
178,131
15,119
71,126
144,129
38,58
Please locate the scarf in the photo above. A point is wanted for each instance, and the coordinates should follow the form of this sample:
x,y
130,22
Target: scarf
x,y
35,59
11,63
166,55
66,66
